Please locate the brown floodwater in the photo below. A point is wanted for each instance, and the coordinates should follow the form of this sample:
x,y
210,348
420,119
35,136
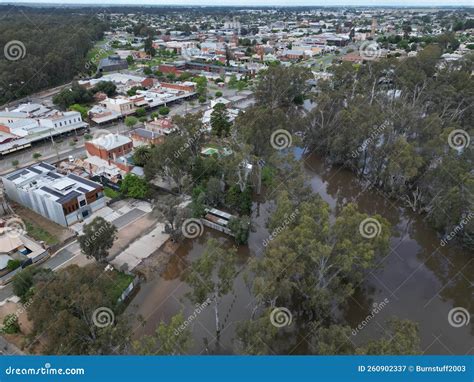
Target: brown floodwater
x,y
421,280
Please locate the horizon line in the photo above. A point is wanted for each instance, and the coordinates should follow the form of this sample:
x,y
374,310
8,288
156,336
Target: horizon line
x,y
86,3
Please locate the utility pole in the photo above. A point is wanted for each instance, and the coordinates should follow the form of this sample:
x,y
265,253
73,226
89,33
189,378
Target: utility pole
x,y
54,145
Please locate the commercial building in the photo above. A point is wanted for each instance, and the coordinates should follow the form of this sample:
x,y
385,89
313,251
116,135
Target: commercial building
x,y
31,123
121,105
64,199
112,63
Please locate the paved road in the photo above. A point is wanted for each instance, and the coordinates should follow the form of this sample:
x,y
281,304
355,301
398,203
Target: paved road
x,y
6,348
60,148
50,152
73,249
60,258
127,218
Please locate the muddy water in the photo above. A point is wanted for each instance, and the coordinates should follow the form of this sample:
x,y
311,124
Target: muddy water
x,y
421,280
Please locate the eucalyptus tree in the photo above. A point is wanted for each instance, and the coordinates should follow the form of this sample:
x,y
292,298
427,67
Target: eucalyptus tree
x,y
211,277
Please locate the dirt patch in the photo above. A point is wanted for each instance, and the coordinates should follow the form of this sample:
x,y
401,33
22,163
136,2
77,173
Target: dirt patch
x,y
57,232
26,326
156,263
132,232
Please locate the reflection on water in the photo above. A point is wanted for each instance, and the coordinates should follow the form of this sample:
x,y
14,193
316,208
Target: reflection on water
x,y
421,280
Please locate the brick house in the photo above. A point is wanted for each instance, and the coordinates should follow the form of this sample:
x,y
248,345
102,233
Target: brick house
x,y
109,147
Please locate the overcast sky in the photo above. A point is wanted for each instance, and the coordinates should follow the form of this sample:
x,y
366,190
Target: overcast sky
x,y
258,2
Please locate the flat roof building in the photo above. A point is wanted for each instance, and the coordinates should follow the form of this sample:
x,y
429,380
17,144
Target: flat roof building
x,y
64,199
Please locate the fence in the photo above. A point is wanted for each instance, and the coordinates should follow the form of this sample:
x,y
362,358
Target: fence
x,y
129,289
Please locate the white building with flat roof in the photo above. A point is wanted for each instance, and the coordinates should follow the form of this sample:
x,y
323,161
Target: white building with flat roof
x,y
26,128
64,199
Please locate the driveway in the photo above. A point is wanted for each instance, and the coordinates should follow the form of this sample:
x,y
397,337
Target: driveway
x,y
126,213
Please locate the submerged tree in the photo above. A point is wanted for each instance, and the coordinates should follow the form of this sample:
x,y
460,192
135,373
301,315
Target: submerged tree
x,y
404,127
168,339
212,277
256,336
309,263
401,338
168,208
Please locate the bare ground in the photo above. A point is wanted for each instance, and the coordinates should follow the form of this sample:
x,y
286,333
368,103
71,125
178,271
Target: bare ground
x,y
56,230
131,233
158,260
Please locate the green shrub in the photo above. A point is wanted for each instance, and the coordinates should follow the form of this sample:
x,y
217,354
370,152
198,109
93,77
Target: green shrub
x,y
10,324
110,193
13,264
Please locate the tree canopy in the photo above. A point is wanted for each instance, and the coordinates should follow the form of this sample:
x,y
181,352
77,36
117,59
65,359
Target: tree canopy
x,y
97,238
76,312
50,58
404,127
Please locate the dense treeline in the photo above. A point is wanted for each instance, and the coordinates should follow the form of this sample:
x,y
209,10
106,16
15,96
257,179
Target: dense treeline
x,y
405,127
78,94
50,49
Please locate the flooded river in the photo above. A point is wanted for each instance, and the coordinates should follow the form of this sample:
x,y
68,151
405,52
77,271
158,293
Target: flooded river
x,y
421,280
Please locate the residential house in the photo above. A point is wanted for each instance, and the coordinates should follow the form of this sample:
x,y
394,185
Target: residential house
x,y
109,155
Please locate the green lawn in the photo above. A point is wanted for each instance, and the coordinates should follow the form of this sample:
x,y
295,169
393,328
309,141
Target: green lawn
x,y
120,282
40,234
98,52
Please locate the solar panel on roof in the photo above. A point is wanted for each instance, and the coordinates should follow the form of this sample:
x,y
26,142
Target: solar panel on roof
x,y
54,175
17,175
68,197
46,166
35,170
51,191
83,181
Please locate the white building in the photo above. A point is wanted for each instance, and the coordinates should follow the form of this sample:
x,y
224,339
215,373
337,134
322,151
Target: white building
x,y
24,129
62,199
